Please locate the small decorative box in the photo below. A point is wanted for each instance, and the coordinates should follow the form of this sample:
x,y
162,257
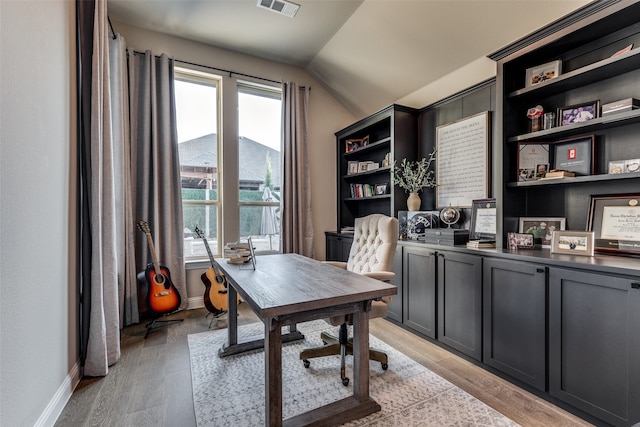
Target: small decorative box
x,y
446,236
627,104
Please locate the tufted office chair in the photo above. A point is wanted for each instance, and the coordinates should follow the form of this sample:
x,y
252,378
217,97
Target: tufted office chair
x,y
374,246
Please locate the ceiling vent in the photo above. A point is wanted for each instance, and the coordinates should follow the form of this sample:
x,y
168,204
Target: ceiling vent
x,y
280,6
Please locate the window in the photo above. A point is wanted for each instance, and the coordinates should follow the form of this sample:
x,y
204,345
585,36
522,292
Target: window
x,y
197,115
259,172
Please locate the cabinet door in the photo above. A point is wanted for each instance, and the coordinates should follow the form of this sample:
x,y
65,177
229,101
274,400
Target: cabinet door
x,y
395,306
594,343
514,336
337,247
460,302
419,281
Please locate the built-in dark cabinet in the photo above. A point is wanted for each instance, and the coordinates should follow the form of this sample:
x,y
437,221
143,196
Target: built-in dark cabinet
x,y
594,343
515,319
460,302
365,188
338,246
419,289
394,308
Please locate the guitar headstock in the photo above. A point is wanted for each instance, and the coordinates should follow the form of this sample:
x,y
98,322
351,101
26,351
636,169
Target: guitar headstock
x,y
143,226
199,232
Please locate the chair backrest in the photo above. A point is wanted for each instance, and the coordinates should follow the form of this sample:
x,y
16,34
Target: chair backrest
x,y
374,244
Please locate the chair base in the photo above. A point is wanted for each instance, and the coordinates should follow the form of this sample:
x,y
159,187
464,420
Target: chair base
x,y
340,346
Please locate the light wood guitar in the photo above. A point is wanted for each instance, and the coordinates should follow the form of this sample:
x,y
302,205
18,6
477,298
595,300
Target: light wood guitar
x,y
162,295
215,294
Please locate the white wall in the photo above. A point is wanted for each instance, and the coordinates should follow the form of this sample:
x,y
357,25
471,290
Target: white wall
x,y
37,135
326,115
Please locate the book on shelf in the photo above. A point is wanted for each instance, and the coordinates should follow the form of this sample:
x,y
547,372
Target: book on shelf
x,y
558,174
481,244
347,229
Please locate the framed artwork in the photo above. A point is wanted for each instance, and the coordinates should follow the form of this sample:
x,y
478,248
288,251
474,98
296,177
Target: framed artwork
x,y
572,242
483,220
579,113
541,228
542,73
462,161
575,155
615,222
412,224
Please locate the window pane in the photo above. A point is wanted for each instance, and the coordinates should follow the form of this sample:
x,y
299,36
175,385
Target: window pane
x,y
197,122
206,219
259,155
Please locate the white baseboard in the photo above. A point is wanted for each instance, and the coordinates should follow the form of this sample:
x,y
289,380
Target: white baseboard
x,y
57,403
195,302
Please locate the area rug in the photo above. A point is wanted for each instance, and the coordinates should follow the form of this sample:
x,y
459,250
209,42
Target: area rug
x,y
230,391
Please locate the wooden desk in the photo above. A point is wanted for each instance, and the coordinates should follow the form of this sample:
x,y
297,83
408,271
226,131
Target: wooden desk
x,y
287,289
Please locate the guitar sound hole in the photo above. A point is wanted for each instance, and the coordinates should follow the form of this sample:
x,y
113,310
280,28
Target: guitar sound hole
x,y
159,279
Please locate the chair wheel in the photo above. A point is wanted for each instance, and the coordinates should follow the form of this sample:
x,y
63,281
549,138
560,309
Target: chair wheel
x,y
345,382
385,366
306,363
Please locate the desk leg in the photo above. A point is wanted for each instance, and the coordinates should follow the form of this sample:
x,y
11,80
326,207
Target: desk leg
x,y
273,373
361,353
232,316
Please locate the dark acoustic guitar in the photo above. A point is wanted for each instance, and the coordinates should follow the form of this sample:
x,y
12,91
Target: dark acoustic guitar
x,y
162,295
215,293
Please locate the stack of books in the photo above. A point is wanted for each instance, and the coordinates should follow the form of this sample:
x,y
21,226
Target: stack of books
x,y
236,250
347,229
481,244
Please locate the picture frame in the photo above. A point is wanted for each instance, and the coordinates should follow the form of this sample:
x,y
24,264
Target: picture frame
x,y
412,224
352,168
520,241
615,222
572,243
541,228
463,163
575,155
363,167
530,155
541,73
380,189
578,113
483,220
541,170
616,166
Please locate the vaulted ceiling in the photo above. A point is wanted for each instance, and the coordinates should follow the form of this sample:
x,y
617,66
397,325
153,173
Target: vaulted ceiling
x,y
367,53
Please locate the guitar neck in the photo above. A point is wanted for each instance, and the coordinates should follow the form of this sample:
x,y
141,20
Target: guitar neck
x,y
206,246
154,256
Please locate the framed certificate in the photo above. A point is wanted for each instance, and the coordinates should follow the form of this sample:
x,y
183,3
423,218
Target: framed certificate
x,y
575,155
483,220
615,222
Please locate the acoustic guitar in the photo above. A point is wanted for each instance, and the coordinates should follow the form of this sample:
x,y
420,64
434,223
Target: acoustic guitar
x,y
215,293
162,295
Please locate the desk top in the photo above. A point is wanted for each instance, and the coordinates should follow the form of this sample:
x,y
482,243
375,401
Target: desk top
x,y
289,283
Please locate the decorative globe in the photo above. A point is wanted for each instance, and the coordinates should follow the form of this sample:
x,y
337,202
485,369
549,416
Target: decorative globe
x,y
450,216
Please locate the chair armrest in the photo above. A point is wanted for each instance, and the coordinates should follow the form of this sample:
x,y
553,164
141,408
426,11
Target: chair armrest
x,y
385,276
339,264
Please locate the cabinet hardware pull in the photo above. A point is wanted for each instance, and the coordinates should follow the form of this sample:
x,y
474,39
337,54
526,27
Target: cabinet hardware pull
x,y
635,285
539,270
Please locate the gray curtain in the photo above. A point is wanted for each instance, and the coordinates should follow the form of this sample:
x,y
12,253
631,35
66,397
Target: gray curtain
x,y
103,346
155,166
297,222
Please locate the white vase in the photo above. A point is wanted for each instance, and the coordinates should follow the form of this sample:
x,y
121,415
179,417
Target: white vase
x,y
413,202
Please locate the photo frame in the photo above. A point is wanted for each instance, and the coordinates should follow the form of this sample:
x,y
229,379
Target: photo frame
x,y
530,155
520,241
352,168
578,113
380,189
541,228
354,144
615,222
541,73
483,220
541,170
575,155
572,242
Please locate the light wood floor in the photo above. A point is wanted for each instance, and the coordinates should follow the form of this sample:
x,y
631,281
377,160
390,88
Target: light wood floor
x,y
151,384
